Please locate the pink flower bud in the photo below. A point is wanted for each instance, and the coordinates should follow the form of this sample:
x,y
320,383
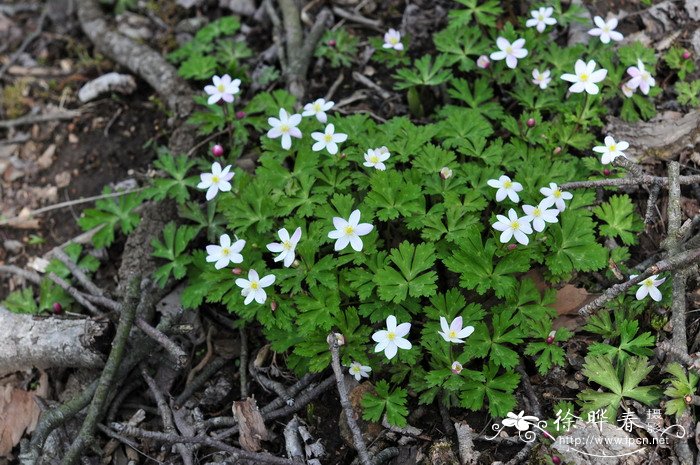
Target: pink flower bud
x,y
606,172
57,308
456,367
217,150
550,338
445,173
686,54
273,305
531,123
556,460
483,62
557,150
240,114
332,43
236,271
512,246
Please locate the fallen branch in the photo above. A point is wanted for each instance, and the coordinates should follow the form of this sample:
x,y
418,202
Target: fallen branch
x,y
77,273
358,440
197,382
76,294
173,349
33,119
646,180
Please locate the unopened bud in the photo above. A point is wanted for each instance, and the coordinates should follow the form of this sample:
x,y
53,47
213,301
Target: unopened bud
x,y
217,150
445,173
456,367
236,271
335,338
57,308
556,151
531,123
556,460
512,246
296,263
686,54
273,305
483,62
688,399
606,172
550,338
332,43
240,114
342,155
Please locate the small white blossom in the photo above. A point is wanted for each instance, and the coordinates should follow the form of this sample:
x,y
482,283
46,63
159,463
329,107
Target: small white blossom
x,y
649,287
349,231
521,421
540,215
218,180
483,62
359,371
506,187
512,226
541,79
318,109
253,288
640,78
555,196
392,39
541,18
328,140
225,252
445,172
375,158
391,339
223,89
606,30
611,150
585,78
286,247
509,52
456,367
627,91
454,332
285,127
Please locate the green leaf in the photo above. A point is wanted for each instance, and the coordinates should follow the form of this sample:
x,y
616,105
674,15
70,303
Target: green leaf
x,y
630,344
175,186
111,213
197,67
425,72
391,196
497,389
172,249
413,277
573,245
394,403
620,219
681,384
495,345
21,301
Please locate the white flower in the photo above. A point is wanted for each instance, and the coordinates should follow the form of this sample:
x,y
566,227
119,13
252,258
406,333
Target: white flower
x,y
445,172
513,227
349,232
585,78
359,371
541,18
456,367
554,196
392,39
286,246
649,287
223,89
483,62
611,150
541,79
606,30
391,339
375,158
454,332
253,288
521,421
540,215
627,91
509,52
328,140
640,78
318,109
506,187
226,252
286,127
217,180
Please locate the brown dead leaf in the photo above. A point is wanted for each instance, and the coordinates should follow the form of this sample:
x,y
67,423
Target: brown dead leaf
x,y
20,413
46,158
570,298
252,425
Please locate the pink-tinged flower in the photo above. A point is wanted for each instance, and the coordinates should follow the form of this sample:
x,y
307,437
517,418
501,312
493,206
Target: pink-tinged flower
x,y
611,150
285,127
521,421
649,287
454,332
392,338
509,52
627,91
605,30
392,39
512,226
640,78
483,62
585,78
555,196
541,79
218,180
541,18
456,367
223,89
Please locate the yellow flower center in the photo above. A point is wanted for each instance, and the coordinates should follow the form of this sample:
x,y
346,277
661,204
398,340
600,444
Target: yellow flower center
x,y
613,148
220,88
287,245
606,28
317,107
374,159
354,369
225,251
515,225
215,179
540,17
509,50
508,184
393,40
649,282
536,212
584,77
557,193
391,335
452,334
254,285
328,137
284,128
645,76
349,230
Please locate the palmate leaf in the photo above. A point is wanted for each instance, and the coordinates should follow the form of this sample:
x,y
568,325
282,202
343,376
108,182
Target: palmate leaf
x,y
394,403
478,96
111,213
425,72
681,384
485,13
497,389
391,196
175,241
413,277
620,219
497,344
573,245
630,343
175,185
